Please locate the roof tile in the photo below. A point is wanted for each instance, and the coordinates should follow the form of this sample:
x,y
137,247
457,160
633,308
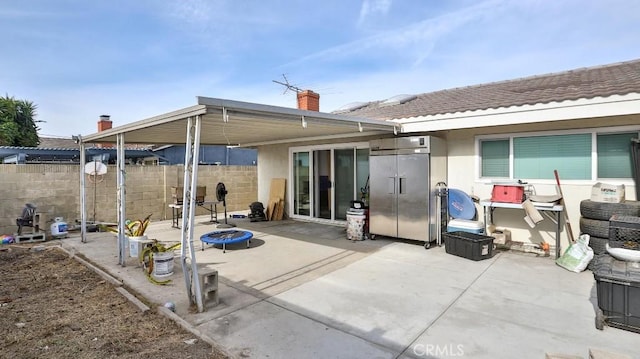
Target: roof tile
x,y
601,81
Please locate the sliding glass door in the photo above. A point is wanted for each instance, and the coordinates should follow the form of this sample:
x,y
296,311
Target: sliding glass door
x,y
323,191
301,184
345,178
326,179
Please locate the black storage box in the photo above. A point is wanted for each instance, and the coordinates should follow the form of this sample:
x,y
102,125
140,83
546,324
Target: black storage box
x,y
468,245
624,228
618,288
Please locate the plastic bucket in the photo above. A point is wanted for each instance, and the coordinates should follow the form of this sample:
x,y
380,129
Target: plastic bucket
x,y
162,264
136,244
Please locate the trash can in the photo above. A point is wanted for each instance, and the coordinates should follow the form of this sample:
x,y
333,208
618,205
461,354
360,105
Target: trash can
x,y
355,224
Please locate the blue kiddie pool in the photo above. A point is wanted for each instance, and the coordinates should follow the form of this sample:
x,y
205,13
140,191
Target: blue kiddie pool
x,y
461,205
226,237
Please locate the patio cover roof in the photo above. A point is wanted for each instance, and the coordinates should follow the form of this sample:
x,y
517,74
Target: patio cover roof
x,y
247,124
222,122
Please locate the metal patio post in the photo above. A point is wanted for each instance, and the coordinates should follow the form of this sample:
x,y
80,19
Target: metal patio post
x,y
83,203
187,254
121,191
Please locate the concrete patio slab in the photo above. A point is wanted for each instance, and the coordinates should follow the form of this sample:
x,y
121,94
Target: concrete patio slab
x,y
302,290
523,307
265,330
383,299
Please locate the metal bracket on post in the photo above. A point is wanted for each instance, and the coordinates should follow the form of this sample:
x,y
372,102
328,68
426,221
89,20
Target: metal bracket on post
x,y
121,191
225,115
187,254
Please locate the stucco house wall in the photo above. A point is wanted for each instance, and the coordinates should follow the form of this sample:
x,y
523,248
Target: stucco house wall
x,y
463,160
273,163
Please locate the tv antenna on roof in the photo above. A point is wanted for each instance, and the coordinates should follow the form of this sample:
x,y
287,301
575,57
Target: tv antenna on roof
x,y
289,87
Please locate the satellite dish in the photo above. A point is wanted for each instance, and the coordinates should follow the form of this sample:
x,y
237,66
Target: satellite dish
x,y
95,168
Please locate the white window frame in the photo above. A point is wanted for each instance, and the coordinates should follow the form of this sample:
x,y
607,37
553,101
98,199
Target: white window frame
x,y
594,154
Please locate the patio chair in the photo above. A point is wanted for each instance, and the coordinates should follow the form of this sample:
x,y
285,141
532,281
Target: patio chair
x,y
27,219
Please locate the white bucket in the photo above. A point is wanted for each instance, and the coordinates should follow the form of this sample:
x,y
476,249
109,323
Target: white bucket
x,y
163,264
136,244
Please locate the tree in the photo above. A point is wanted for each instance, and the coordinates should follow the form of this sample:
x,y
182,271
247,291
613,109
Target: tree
x,y
18,126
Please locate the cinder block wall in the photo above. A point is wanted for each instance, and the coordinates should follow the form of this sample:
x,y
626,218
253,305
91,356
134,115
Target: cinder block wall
x,y
55,190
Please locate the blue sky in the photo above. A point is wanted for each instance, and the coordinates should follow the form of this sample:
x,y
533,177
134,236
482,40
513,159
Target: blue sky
x,y
78,59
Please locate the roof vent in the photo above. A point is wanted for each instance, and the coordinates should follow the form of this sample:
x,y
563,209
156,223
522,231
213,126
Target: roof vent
x,y
351,107
397,100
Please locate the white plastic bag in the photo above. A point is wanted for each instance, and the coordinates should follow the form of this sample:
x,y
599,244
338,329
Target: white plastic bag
x,y
577,256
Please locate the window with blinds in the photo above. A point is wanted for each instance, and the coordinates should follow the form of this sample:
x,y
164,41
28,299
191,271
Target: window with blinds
x,y
614,155
495,158
536,157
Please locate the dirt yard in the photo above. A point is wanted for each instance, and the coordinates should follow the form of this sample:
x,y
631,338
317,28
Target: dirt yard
x,y
52,306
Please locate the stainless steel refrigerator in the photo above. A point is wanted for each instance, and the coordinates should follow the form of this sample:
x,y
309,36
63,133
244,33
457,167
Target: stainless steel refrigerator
x,y
403,174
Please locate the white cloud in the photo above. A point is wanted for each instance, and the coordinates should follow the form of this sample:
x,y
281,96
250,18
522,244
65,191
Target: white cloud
x,y
220,25
370,7
194,11
413,40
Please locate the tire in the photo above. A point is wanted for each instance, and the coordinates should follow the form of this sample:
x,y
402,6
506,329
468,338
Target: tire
x,y
603,210
590,266
594,227
598,245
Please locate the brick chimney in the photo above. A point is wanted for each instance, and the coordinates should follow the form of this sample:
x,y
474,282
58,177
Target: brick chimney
x,y
104,123
308,100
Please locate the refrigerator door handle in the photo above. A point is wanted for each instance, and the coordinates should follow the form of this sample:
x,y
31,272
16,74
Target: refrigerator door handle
x,y
402,185
391,185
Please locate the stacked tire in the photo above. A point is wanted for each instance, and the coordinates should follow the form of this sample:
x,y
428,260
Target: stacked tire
x,y
595,216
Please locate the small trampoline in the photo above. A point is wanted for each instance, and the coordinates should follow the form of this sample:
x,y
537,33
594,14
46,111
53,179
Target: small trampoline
x,y
226,237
